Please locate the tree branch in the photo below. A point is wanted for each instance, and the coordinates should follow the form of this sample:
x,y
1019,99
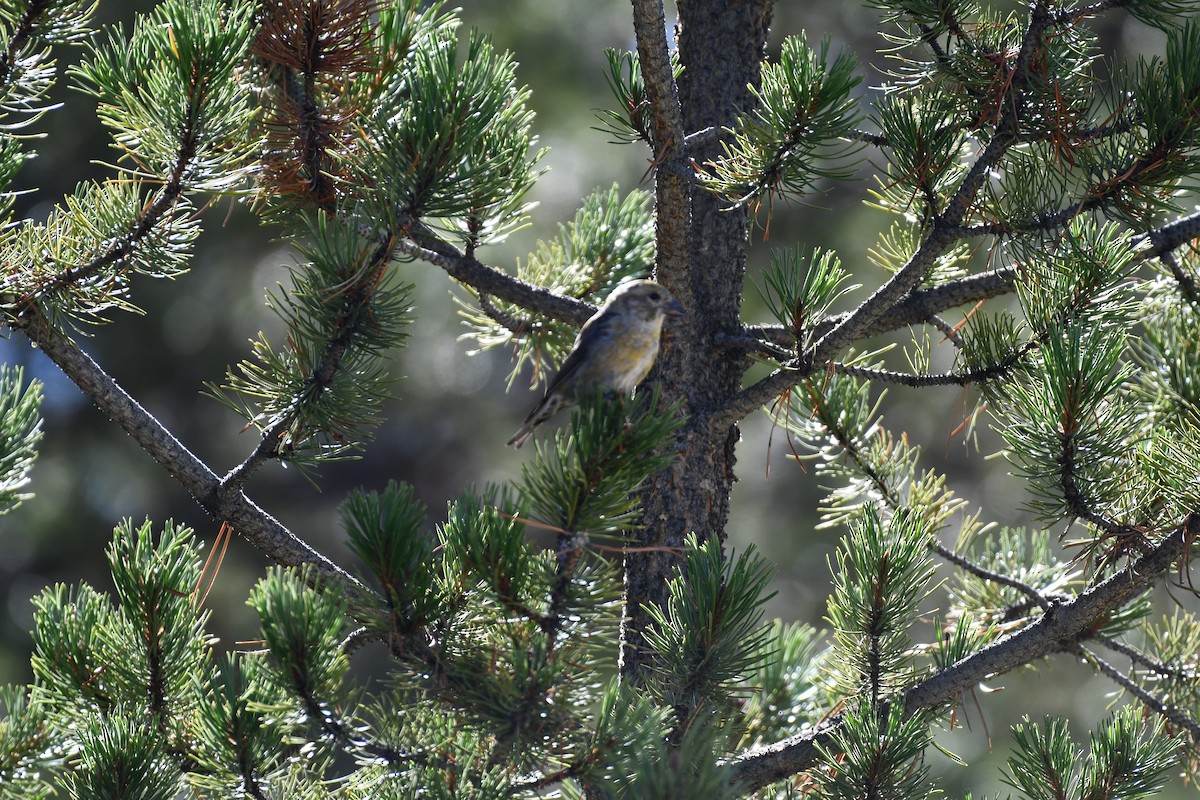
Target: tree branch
x,y
123,246
355,739
858,323
517,326
1168,712
974,375
1170,236
752,398
671,189
1071,15
1138,657
1080,506
258,527
1187,284
949,331
994,577
489,280
1042,222
703,136
662,95
875,139
944,228
916,308
1043,636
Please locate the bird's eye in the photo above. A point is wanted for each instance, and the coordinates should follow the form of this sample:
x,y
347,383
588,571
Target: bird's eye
x,y
655,296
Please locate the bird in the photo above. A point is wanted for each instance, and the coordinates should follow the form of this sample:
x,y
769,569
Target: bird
x,y
614,350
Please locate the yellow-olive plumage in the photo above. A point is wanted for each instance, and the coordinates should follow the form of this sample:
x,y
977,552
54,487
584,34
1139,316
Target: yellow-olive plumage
x,y
614,350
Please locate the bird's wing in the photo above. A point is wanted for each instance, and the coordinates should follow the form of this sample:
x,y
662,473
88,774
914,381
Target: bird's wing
x,y
593,330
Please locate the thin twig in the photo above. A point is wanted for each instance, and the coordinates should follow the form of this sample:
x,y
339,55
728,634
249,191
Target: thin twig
x,y
949,331
566,773
915,308
516,326
349,323
751,344
703,136
1168,712
490,280
1078,505
1138,657
1187,284
356,639
19,35
352,738
1048,221
1071,15
975,375
944,233
876,139
993,577
124,245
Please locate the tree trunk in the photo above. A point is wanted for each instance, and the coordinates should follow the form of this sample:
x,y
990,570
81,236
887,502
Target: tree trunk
x,y
721,45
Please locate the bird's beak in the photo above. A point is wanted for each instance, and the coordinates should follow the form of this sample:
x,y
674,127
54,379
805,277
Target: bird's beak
x,y
673,309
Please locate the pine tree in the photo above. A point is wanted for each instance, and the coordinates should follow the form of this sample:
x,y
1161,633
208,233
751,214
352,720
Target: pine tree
x,y
630,657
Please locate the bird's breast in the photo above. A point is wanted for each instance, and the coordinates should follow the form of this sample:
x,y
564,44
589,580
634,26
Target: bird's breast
x,y
638,358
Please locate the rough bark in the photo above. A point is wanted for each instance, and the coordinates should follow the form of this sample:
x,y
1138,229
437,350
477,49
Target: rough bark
x,y
702,259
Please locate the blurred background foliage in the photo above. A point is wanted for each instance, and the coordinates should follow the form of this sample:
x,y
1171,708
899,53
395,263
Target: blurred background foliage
x,y
451,414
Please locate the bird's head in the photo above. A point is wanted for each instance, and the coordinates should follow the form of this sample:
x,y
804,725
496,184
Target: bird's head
x,y
645,299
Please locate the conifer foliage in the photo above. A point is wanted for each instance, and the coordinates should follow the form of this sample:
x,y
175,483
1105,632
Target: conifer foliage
x,y
623,651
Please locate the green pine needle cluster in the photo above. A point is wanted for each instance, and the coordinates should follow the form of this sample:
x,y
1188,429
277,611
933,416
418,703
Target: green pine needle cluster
x,y
172,96
20,433
720,598
801,132
317,392
1024,555
454,138
631,122
1125,757
512,647
921,176
28,69
586,479
881,575
79,236
788,691
799,291
883,756
508,642
837,426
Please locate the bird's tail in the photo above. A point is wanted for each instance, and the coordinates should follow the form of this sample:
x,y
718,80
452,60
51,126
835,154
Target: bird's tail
x,y
520,436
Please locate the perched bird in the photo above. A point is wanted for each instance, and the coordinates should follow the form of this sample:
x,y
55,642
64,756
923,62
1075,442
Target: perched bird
x,y
614,350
